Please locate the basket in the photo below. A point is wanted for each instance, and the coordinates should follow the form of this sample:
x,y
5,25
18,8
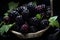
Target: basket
x,y
35,34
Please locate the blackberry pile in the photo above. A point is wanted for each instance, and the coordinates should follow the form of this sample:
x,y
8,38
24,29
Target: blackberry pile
x,y
29,17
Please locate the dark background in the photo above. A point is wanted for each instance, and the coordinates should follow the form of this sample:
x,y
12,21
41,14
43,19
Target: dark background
x,y
56,7
4,5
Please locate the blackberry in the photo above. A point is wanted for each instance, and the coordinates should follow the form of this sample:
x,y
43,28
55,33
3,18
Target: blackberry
x,y
6,19
41,8
25,14
24,28
44,23
13,14
31,6
29,17
33,29
19,20
21,8
48,12
34,21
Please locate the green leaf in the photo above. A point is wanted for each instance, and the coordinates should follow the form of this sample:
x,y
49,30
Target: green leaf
x,y
39,16
56,23
5,28
53,18
12,5
6,14
53,21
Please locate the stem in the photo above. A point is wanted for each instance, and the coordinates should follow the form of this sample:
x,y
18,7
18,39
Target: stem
x,y
51,3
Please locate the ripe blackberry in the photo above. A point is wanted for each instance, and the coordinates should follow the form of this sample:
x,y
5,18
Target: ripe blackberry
x,y
21,8
44,23
34,21
33,29
31,14
19,20
13,14
6,19
25,14
31,6
43,6
40,8
24,28
48,12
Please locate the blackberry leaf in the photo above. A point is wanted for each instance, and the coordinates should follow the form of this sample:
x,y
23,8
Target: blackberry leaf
x,y
6,14
5,28
12,5
53,18
53,21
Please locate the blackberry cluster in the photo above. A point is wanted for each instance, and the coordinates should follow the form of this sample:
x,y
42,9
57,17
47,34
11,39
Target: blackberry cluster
x,y
25,17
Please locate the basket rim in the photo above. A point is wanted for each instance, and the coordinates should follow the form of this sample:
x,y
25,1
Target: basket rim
x,y
30,35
